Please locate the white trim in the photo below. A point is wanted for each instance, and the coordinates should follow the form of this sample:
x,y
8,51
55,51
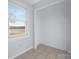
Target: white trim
x,y
18,38
35,29
20,53
56,48
49,4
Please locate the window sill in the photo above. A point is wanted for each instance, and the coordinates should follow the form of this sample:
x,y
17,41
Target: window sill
x,y
18,38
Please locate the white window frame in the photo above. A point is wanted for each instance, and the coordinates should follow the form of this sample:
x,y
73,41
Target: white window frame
x,y
27,25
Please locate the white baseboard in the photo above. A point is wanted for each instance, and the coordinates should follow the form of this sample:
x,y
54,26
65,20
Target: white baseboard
x,y
20,53
56,47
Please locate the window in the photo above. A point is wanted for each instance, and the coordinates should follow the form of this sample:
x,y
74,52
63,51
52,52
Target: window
x,y
17,20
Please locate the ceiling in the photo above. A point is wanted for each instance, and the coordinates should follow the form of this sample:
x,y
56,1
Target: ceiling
x,y
32,1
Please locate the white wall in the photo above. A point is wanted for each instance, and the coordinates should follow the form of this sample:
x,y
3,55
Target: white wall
x,y
20,44
54,24
53,28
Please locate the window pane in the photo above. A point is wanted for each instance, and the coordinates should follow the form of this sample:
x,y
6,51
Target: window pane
x,y
17,17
